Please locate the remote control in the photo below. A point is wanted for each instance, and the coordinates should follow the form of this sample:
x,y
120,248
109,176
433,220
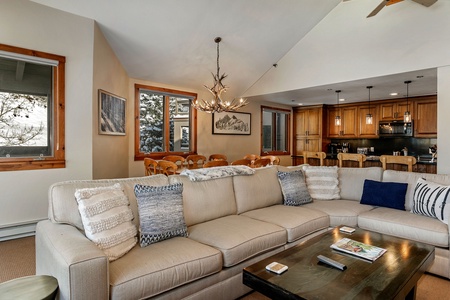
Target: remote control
x,y
331,262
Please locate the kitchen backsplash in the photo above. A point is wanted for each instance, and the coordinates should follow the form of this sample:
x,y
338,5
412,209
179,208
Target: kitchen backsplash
x,y
416,146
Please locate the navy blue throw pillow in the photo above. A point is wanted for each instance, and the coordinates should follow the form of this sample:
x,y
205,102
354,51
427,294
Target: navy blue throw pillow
x,y
386,194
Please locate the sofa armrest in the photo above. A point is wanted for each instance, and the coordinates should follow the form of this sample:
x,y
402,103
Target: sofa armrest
x,y
80,267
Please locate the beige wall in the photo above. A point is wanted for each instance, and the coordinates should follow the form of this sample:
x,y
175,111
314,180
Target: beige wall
x,y
23,196
109,152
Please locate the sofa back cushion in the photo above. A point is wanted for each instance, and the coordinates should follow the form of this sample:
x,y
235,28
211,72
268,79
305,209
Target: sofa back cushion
x,y
63,207
259,190
351,181
206,200
411,178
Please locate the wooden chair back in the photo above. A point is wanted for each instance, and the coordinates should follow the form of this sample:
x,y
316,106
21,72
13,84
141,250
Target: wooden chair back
x,y
274,160
312,154
195,160
167,167
151,166
241,162
409,161
178,159
360,158
217,157
261,162
215,163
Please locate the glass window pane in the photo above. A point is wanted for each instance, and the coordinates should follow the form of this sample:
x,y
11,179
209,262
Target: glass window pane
x,y
281,132
275,130
151,118
179,112
267,131
25,103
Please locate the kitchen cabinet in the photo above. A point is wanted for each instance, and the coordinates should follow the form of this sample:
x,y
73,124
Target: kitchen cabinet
x,y
367,130
395,110
308,127
425,117
348,127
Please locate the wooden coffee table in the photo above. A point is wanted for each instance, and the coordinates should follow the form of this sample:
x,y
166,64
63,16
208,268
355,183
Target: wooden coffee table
x,y
392,276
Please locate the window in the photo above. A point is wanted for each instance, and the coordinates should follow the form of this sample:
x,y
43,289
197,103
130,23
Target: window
x,y
274,131
164,122
31,109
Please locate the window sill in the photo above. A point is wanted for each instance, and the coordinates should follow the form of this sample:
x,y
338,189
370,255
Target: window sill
x,y
28,164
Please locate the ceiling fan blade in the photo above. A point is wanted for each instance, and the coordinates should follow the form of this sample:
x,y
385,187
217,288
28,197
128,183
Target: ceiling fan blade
x,y
426,3
378,8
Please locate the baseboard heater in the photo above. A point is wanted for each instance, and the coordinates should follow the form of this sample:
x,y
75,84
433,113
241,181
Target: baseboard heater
x,y
18,230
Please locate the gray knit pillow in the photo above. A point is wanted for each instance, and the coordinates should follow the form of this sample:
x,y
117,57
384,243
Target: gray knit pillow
x,y
294,188
160,212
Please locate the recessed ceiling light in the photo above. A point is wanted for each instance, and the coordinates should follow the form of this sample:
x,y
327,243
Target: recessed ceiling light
x,y
393,94
341,99
300,104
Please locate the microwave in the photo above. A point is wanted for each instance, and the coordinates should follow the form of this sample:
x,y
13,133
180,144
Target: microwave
x,y
395,129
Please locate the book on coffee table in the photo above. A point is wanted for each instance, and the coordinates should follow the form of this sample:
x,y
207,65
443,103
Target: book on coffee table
x,y
359,249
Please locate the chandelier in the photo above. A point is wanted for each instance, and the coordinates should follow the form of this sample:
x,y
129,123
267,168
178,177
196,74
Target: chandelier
x,y
217,104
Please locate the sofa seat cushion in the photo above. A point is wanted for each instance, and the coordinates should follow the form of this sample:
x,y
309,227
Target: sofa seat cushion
x,y
341,212
298,221
405,225
159,267
238,237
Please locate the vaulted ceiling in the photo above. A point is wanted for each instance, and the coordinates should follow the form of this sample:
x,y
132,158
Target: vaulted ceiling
x,y
172,41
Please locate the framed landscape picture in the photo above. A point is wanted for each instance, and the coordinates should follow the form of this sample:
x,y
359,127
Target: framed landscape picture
x,y
111,113
231,123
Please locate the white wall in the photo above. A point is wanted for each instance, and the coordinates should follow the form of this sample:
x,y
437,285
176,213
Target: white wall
x,y
443,140
29,25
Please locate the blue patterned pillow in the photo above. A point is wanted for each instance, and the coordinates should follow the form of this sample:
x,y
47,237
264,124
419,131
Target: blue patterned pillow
x,y
160,212
293,186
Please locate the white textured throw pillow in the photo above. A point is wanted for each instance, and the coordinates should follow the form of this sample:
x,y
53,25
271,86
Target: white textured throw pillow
x,y
106,217
322,182
431,199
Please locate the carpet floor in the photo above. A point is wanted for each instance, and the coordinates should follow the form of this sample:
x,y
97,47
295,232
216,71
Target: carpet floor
x,y
18,259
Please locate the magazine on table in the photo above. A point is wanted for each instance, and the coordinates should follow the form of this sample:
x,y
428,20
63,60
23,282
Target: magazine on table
x,y
359,249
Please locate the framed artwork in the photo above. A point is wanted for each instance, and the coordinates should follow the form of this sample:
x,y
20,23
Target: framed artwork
x,y
111,111
231,123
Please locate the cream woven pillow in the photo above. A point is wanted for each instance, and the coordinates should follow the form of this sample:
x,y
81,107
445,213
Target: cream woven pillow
x,y
322,182
106,218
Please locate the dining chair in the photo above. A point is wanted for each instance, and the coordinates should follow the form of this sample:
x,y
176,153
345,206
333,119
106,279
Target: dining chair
x,y
217,157
167,167
360,158
313,154
215,163
195,160
151,166
409,161
241,162
178,159
261,162
274,160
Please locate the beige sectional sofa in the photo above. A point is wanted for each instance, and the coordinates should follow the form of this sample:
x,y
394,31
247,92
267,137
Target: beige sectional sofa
x,y
232,223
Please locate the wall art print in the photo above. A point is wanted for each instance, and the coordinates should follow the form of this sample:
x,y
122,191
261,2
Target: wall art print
x,y
231,123
111,113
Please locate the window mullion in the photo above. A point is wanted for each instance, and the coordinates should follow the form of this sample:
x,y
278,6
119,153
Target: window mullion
x,y
166,123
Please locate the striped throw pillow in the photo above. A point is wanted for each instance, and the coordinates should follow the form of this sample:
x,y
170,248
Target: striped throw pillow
x,y
431,199
323,182
106,218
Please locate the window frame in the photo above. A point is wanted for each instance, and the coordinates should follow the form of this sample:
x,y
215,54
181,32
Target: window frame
x,y
138,155
288,130
57,160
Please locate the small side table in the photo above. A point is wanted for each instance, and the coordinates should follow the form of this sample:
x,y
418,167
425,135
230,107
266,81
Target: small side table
x,y
30,287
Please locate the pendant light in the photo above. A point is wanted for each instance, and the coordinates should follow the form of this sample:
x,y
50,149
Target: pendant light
x,y
337,119
407,115
369,117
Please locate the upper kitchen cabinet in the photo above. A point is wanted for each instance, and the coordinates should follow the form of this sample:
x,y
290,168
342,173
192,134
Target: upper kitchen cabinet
x,y
395,110
368,130
349,121
308,121
425,117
